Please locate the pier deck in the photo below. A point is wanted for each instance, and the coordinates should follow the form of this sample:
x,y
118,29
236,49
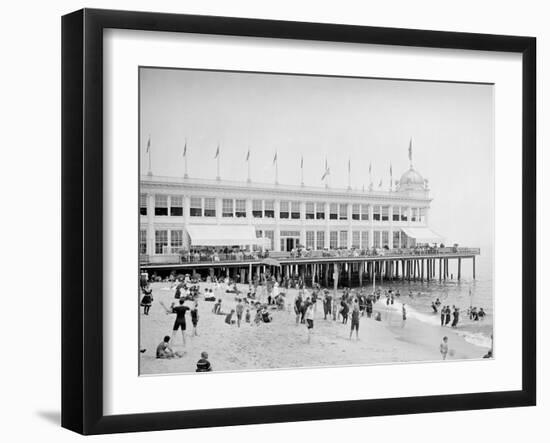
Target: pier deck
x,y
390,265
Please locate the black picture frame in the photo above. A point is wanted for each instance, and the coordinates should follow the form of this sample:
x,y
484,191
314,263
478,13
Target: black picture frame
x,y
82,219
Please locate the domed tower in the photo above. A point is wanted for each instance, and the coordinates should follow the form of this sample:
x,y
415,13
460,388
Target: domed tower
x,y
411,180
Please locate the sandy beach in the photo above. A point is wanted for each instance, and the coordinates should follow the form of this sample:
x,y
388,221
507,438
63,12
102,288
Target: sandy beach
x,y
283,343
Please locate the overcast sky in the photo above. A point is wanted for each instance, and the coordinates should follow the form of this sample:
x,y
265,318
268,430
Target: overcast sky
x,y
365,120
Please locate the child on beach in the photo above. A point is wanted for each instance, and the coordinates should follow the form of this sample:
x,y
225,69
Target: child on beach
x,y
165,351
444,348
203,365
247,316
147,299
404,313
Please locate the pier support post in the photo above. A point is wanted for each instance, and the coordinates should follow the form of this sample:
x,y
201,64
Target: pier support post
x,y
459,266
474,267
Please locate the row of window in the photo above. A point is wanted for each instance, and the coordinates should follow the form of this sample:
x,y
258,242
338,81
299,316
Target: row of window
x,y
166,241
171,241
206,207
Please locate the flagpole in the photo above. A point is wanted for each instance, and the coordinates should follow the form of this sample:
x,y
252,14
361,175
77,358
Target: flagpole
x,y
349,173
302,170
276,168
411,152
218,163
150,172
186,175
370,176
248,161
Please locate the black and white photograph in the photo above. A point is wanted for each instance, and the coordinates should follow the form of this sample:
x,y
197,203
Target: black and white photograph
x,y
305,221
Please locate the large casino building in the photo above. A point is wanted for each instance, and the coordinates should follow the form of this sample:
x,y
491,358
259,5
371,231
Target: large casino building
x,y
184,214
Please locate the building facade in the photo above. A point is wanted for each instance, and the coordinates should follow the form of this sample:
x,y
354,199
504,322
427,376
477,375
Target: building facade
x,y
177,213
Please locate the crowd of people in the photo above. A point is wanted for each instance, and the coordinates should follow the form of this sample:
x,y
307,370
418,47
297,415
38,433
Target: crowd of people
x,y
446,312
255,305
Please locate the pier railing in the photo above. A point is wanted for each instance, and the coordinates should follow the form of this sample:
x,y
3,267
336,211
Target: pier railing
x,y
306,255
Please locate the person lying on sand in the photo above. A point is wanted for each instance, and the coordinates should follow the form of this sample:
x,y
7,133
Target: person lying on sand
x,y
165,351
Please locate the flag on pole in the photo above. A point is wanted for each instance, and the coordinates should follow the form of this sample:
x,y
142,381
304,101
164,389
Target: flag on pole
x,y
148,144
349,165
217,152
380,184
391,172
302,163
248,155
275,158
370,168
327,170
411,150
185,149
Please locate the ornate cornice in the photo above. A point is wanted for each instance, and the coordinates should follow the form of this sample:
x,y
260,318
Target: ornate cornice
x,y
272,191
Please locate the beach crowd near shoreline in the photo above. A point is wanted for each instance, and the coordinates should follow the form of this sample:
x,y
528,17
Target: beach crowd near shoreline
x,y
232,326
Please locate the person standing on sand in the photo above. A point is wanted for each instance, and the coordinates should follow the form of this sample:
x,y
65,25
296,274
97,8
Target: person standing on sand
x,y
404,314
195,317
447,315
180,318
444,348
147,299
304,308
298,307
443,316
309,319
344,311
239,310
355,314
327,304
455,317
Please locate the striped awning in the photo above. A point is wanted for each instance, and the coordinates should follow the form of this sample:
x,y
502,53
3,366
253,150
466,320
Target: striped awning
x,y
423,235
225,235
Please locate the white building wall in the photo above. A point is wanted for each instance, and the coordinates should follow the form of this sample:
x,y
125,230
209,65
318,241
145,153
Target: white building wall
x,y
190,188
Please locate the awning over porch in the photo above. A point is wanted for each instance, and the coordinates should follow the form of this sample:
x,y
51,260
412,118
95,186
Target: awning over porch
x,y
225,235
423,235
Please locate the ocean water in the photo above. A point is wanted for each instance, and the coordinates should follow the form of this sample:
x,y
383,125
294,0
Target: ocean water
x,y
463,294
